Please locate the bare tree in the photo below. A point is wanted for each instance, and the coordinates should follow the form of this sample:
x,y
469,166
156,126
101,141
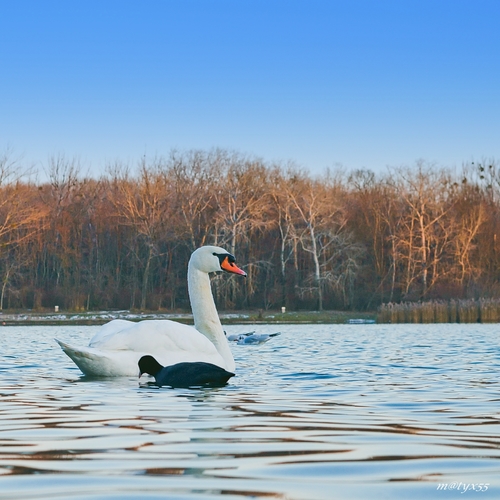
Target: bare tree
x,y
195,187
321,229
423,237
242,203
21,217
144,205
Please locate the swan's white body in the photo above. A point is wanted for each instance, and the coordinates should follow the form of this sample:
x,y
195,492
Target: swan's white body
x,y
116,349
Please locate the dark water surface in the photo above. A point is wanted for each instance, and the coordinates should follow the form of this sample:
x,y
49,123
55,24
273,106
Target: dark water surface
x,y
320,412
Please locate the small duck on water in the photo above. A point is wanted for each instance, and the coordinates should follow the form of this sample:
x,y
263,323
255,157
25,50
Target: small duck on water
x,y
190,374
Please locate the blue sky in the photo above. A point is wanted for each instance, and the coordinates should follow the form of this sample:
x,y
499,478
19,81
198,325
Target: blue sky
x,y
363,84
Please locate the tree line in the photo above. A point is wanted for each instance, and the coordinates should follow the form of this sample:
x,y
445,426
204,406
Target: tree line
x,y
340,240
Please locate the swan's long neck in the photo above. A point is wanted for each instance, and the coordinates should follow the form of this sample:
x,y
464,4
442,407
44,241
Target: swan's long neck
x,y
206,318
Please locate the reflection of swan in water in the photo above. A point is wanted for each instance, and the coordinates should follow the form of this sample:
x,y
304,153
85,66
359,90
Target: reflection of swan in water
x,y
251,338
116,349
184,374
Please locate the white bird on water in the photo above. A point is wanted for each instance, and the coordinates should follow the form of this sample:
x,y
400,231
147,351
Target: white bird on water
x,y
250,338
118,346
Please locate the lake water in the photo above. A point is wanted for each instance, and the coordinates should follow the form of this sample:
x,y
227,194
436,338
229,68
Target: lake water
x,y
320,412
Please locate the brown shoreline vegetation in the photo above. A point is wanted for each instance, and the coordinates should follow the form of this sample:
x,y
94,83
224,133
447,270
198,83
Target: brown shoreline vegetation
x,y
441,311
254,318
346,241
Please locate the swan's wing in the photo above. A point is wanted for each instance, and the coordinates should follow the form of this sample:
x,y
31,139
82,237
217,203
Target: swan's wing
x,y
116,349
96,363
109,329
168,341
152,335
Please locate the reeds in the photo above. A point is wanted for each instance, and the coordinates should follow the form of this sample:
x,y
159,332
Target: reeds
x,y
440,311
489,310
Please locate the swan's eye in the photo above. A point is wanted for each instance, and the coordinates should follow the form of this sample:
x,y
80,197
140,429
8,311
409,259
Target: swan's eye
x,y
225,256
228,263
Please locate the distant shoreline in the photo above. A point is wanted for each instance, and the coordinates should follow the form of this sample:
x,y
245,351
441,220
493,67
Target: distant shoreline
x,y
26,318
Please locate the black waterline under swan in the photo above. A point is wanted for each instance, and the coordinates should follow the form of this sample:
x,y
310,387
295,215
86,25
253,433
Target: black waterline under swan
x,y
184,374
118,346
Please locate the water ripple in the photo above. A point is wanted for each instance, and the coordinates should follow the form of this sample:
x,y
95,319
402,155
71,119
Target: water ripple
x,y
321,412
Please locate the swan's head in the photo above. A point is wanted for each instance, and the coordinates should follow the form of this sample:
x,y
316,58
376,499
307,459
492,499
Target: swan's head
x,y
210,259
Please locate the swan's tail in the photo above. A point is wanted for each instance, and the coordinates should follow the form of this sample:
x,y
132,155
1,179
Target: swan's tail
x,y
95,363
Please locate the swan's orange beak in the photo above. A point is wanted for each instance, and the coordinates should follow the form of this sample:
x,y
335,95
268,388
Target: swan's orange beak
x,y
231,267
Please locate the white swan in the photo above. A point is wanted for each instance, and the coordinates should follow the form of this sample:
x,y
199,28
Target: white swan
x,y
117,347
